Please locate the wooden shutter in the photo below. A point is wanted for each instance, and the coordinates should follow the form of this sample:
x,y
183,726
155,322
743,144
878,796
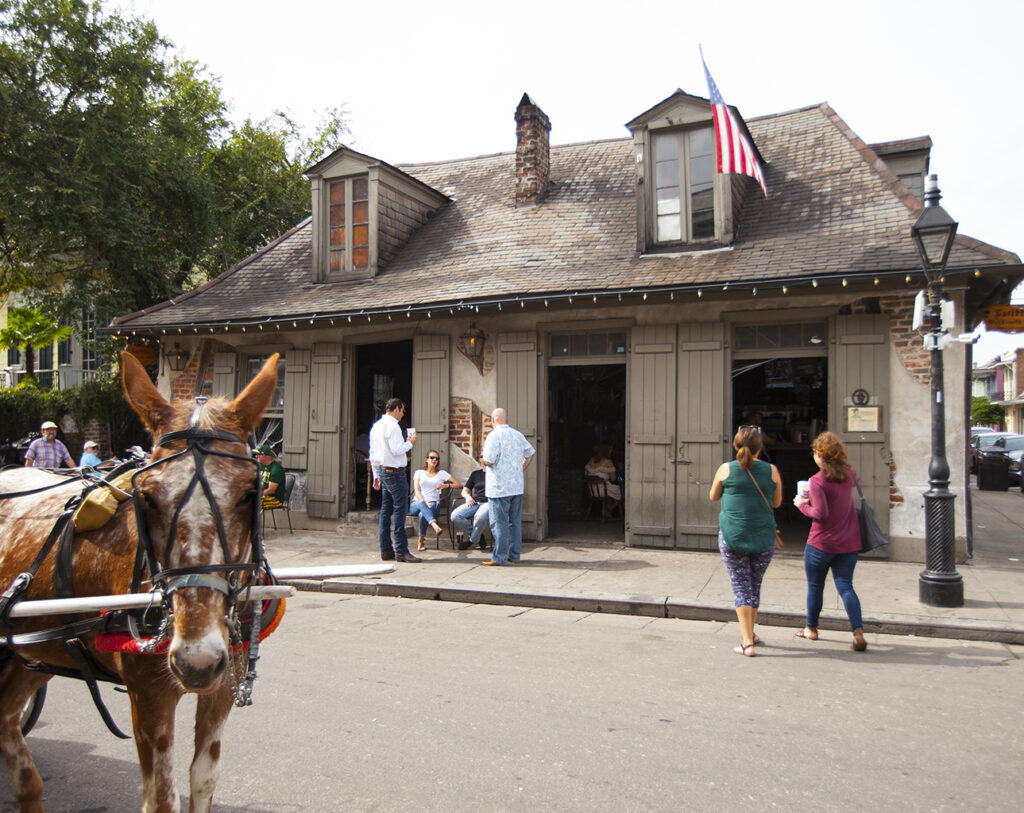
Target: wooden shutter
x,y
516,368
296,410
323,479
224,374
700,416
431,384
650,441
862,367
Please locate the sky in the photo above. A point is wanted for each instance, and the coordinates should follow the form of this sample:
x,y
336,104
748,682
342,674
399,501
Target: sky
x,y
432,81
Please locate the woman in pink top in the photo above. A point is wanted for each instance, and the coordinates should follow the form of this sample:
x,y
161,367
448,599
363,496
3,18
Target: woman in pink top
x,y
834,540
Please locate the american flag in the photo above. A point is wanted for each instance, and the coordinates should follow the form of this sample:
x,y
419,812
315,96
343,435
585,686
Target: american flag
x,y
736,153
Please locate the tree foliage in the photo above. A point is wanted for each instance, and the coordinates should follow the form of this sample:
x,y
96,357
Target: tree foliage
x,y
30,329
985,413
121,180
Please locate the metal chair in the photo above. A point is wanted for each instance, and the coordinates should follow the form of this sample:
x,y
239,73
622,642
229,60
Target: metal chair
x,y
289,484
443,515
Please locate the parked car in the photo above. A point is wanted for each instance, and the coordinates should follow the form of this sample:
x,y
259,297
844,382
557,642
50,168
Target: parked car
x,y
981,430
1013,448
981,443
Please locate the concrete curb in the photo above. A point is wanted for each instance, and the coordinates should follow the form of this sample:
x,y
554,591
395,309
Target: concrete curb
x,y
666,608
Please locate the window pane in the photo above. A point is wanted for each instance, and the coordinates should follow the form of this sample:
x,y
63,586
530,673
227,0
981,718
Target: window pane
x,y
668,201
337,238
13,356
44,357
559,345
359,189
791,335
814,333
360,236
617,342
667,173
337,192
360,257
338,260
338,215
767,336
701,181
578,344
702,141
744,337
669,228
598,344
360,212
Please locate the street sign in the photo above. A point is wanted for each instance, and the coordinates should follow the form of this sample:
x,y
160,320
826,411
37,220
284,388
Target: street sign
x,y
1007,318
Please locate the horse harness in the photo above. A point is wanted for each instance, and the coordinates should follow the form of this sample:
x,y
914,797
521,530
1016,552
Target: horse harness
x,y
146,628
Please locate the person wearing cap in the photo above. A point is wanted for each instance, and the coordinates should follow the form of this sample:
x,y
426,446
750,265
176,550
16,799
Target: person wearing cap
x,y
89,456
272,474
47,452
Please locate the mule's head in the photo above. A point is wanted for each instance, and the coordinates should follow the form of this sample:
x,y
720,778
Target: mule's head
x,y
197,510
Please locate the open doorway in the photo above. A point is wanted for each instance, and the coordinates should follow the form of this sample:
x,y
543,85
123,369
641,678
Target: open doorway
x,y
788,398
586,407
383,371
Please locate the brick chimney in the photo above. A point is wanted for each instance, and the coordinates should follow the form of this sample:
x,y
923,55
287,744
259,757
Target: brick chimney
x,y
533,160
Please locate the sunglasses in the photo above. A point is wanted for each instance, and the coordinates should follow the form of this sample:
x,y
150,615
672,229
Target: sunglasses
x,y
755,427
433,457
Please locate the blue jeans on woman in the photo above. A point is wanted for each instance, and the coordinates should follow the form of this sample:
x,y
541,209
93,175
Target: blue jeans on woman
x,y
817,564
425,511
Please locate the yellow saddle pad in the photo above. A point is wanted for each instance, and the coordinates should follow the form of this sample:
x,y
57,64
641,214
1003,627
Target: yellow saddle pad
x,y
101,503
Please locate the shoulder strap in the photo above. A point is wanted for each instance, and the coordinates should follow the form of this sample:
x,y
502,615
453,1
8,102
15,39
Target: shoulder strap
x,y
856,481
759,491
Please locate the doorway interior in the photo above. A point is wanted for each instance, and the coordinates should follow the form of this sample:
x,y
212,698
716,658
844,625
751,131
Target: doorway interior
x,y
383,371
788,397
586,406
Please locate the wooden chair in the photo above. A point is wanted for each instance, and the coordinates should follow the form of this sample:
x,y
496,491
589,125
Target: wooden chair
x,y
289,484
597,493
443,514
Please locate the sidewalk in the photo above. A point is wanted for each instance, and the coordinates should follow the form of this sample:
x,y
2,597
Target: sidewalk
x,y
674,584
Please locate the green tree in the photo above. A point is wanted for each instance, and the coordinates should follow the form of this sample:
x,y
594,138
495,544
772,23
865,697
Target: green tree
x,y
985,413
121,181
29,329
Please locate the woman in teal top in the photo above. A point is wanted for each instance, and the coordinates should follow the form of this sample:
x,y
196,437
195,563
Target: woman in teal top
x,y
746,525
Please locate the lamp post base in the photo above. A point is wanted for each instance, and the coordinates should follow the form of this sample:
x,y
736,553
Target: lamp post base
x,y
941,589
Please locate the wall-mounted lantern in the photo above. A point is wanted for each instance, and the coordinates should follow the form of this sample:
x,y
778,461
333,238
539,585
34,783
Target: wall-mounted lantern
x,y
177,358
473,342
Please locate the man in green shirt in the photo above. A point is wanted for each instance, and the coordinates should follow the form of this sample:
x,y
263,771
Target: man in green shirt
x,y
272,474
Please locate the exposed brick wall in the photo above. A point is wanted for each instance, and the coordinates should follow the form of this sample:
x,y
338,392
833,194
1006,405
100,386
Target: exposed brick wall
x,y
468,426
183,387
533,161
908,343
400,215
97,430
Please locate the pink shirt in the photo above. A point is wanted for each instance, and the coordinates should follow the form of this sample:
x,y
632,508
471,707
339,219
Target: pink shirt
x,y
834,527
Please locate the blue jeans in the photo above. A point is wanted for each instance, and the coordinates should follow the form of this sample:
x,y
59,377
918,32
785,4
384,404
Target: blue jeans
x,y
817,564
476,513
394,504
506,518
425,512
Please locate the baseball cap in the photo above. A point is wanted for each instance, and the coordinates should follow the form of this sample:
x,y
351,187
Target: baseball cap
x,y
90,444
265,449
48,425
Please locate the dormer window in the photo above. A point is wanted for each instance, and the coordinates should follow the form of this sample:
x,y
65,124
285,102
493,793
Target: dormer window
x,y
684,185
349,212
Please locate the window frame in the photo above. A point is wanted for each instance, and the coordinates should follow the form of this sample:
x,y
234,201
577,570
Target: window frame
x,y
350,226
683,136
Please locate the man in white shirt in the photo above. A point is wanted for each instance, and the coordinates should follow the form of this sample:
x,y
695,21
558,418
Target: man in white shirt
x,y
388,451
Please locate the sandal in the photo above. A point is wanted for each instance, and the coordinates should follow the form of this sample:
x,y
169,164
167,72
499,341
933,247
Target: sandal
x,y
859,644
803,634
745,649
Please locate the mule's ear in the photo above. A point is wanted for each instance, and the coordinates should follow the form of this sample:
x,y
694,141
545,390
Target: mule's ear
x,y
144,398
249,405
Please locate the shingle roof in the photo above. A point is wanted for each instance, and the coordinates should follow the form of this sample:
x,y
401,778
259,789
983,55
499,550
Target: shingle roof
x,y
835,209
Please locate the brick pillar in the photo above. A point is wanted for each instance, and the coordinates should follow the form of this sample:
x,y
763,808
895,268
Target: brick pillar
x,y
533,159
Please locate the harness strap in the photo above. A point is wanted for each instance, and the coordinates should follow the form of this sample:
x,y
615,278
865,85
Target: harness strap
x,y
76,649
209,580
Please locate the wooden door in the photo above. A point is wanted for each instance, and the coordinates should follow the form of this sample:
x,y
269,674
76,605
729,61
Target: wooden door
x,y
517,388
323,481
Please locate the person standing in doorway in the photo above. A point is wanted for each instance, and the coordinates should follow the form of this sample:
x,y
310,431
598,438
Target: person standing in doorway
x,y
746,526
47,452
506,455
388,452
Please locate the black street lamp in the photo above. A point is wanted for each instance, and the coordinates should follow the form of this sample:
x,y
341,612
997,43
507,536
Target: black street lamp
x,y
940,585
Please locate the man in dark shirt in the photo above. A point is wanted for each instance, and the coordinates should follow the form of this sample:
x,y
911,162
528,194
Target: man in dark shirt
x,y
473,510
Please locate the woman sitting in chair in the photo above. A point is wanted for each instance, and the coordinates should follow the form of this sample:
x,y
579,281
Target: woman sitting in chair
x,y
601,465
427,483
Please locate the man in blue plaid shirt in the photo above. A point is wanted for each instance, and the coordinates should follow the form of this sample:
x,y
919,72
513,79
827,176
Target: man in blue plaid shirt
x,y
47,452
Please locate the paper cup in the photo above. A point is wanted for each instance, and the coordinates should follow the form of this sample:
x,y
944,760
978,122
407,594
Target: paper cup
x,y
412,433
803,488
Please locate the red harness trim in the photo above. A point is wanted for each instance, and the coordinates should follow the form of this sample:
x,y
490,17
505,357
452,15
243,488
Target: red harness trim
x,y
124,643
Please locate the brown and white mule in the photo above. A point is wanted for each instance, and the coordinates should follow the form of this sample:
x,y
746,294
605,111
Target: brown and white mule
x,y
193,526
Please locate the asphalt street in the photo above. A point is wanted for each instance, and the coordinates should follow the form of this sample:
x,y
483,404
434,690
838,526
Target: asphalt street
x,y
389,704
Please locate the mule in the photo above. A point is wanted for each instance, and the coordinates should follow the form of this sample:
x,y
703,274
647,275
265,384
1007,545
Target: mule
x,y
195,513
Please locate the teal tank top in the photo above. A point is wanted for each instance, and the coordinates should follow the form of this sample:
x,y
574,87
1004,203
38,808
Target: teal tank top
x,y
747,523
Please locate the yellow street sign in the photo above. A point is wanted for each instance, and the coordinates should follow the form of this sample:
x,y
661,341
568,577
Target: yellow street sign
x,y
1007,318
